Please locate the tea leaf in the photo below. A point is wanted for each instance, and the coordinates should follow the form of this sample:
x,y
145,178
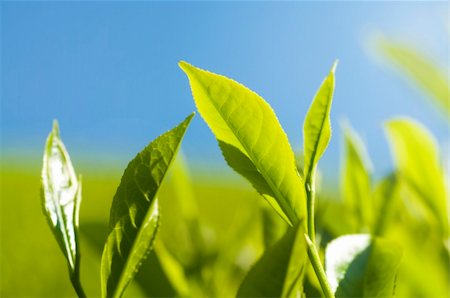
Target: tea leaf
x,y
386,198
134,217
420,70
61,197
361,266
317,126
278,273
251,138
417,160
355,177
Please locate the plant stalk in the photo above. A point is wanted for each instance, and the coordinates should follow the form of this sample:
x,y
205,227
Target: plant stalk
x,y
310,201
318,269
75,279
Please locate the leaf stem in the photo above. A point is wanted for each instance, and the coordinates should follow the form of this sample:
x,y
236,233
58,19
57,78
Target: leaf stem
x,y
317,265
75,279
310,198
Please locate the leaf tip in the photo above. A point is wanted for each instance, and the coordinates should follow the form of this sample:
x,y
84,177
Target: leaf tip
x,y
188,119
335,64
186,67
55,129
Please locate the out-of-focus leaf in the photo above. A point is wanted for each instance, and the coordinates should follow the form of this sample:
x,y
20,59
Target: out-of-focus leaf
x,y
183,190
317,125
61,197
355,177
279,271
420,70
417,160
273,227
172,269
134,217
385,195
251,138
361,266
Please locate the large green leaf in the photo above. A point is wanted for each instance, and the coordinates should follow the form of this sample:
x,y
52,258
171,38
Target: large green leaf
x,y
355,177
61,197
317,126
361,266
421,70
134,217
278,273
417,160
251,138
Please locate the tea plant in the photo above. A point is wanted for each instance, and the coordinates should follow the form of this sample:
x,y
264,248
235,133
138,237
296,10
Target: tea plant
x,y
301,228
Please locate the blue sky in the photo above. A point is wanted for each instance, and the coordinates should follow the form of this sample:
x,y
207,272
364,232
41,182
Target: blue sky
x,y
108,70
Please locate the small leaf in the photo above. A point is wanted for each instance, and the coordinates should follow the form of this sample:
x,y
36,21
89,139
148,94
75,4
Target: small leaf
x,y
134,217
361,266
317,126
61,197
355,177
278,273
417,160
421,71
251,138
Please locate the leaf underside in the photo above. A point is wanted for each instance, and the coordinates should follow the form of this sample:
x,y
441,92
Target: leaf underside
x,y
251,139
134,217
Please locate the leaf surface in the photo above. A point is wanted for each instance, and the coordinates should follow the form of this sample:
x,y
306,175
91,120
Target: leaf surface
x,y
61,197
355,178
416,156
421,70
134,216
278,273
251,139
317,125
361,266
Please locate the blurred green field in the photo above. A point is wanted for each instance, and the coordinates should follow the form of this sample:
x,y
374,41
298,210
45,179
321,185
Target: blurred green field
x,y
230,217
32,264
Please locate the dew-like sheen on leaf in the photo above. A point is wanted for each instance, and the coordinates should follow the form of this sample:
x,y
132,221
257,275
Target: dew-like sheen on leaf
x,y
61,196
251,139
134,216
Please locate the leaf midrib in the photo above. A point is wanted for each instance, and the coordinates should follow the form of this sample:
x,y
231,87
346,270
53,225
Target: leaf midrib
x,y
147,214
312,164
291,214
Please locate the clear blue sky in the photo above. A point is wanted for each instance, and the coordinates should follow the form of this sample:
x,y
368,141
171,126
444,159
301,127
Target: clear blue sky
x,y
108,70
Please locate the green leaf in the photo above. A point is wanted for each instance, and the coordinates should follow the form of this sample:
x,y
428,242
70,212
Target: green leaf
x,y
361,266
278,273
421,71
355,177
251,138
61,197
317,126
386,200
134,217
417,160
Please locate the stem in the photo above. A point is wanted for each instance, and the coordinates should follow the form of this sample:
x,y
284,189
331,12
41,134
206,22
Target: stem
x,y
317,265
310,198
75,279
